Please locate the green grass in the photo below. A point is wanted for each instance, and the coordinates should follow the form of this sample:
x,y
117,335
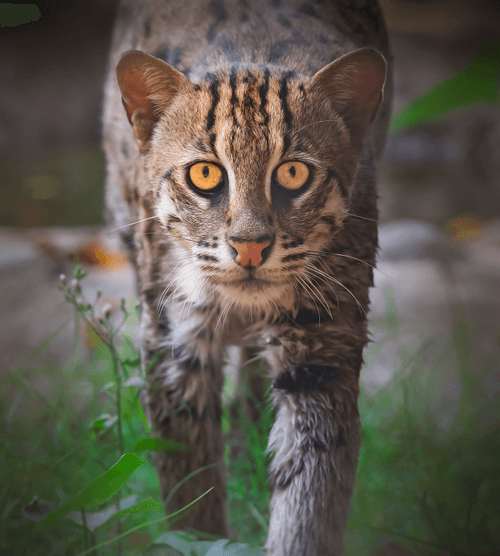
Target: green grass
x,y
52,451
428,475
247,462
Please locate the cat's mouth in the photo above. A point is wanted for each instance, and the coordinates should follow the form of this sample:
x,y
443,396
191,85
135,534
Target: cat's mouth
x,y
252,278
250,282
255,289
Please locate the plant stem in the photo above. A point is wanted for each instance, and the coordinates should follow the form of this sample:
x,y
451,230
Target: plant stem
x,y
109,343
85,530
121,444
93,543
118,380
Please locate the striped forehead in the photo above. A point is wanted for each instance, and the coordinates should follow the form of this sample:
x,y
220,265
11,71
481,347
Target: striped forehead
x,y
249,108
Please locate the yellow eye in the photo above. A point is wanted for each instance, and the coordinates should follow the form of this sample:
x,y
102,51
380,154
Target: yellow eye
x,y
292,175
205,175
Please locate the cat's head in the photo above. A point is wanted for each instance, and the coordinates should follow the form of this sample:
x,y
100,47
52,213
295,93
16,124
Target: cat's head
x,y
251,167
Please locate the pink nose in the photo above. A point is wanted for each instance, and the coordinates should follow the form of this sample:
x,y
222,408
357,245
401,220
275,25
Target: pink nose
x,y
249,254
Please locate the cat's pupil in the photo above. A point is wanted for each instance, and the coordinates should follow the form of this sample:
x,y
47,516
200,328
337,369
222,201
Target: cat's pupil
x,y
292,171
206,171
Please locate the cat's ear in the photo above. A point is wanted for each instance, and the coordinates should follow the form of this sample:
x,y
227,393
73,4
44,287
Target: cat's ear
x,y
354,83
148,86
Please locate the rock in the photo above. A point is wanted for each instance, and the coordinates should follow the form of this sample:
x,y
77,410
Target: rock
x,y
406,240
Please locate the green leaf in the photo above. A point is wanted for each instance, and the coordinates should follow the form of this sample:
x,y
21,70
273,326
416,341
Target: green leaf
x,y
134,381
148,505
108,386
13,16
104,421
79,273
127,507
143,418
101,489
131,361
96,519
146,524
183,546
478,82
129,402
160,445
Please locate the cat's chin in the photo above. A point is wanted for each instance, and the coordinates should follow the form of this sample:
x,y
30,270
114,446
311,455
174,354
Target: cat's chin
x,y
257,295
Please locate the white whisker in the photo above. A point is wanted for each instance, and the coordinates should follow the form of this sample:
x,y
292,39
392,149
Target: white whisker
x,y
161,301
132,223
361,217
333,279
313,123
325,253
223,314
279,307
349,292
252,360
321,275
319,296
308,290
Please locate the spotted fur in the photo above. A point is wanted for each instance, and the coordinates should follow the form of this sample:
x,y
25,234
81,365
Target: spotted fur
x,y
247,86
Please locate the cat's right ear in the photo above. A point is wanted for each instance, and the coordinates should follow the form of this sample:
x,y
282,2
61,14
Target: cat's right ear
x,y
148,86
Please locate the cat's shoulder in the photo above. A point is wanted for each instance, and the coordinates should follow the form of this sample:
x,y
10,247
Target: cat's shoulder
x,y
178,30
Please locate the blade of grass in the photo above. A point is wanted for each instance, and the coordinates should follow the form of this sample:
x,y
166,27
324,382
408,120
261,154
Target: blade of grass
x,y
107,543
100,489
186,478
409,538
41,346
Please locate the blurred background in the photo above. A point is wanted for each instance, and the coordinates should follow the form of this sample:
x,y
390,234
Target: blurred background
x,y
439,182
52,79
437,303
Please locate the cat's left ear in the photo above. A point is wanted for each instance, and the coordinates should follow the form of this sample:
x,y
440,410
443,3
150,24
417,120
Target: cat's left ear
x,y
148,86
354,83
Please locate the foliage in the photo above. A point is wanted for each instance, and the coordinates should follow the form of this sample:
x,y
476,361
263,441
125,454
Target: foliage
x,y
478,82
63,464
424,485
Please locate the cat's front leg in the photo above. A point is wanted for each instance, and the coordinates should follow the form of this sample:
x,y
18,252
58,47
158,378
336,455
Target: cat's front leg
x,y
184,404
315,440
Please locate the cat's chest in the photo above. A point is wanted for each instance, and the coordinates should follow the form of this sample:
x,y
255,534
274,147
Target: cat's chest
x,y
213,327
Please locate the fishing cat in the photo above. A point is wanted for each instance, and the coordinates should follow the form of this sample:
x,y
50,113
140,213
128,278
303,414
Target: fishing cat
x,y
241,173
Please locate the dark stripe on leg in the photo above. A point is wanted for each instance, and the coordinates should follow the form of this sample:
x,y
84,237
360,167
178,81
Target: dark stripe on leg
x,y
305,378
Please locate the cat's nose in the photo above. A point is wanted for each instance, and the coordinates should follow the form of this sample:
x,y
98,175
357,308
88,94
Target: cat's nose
x,y
249,253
